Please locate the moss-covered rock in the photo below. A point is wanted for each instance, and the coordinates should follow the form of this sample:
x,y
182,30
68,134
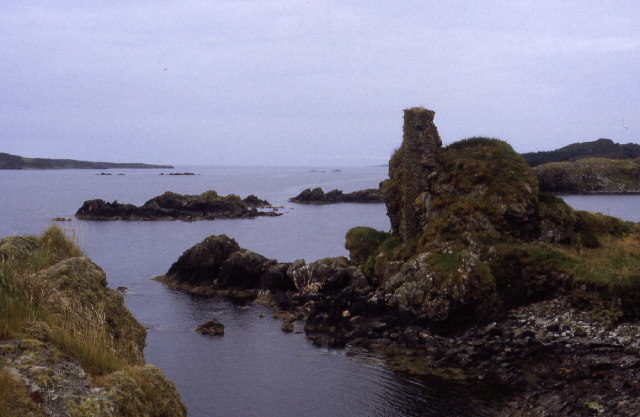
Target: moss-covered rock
x,y
142,391
79,285
590,176
362,242
487,237
15,247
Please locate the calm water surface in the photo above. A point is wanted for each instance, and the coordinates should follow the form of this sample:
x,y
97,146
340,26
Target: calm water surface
x,y
255,369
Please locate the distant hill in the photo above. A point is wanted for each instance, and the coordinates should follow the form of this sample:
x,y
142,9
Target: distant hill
x,y
8,161
601,148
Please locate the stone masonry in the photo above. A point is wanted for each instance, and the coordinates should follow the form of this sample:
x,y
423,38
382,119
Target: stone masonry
x,y
420,144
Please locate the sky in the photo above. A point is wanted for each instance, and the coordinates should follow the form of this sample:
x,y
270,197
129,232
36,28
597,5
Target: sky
x,y
310,83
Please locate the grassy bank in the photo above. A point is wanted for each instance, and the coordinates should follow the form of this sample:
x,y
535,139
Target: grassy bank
x,y
78,332
55,308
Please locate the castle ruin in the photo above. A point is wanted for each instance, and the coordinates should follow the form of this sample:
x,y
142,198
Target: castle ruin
x,y
420,146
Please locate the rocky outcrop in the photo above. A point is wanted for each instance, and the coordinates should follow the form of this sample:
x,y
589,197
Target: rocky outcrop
x,y
318,196
212,327
80,285
171,206
68,346
217,266
590,176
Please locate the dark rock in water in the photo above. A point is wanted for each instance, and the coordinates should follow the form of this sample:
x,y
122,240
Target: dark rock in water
x,y
317,196
61,219
202,263
287,327
171,206
122,289
218,266
254,201
211,328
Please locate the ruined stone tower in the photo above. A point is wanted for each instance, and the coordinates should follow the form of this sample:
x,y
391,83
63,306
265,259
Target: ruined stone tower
x,y
420,144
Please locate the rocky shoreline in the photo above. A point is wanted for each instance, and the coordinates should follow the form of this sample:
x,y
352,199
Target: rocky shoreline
x,y
318,196
590,176
483,280
172,206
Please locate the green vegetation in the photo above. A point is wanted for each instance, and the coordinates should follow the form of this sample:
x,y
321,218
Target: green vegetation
x,y
362,242
55,303
601,148
489,193
24,301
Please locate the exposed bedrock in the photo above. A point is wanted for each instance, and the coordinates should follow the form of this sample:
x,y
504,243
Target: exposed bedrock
x,y
172,206
318,196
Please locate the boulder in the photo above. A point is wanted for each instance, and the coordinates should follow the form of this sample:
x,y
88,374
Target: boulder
x,y
202,262
212,327
325,274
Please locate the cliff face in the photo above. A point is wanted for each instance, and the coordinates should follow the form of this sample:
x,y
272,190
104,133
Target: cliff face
x,y
68,345
590,176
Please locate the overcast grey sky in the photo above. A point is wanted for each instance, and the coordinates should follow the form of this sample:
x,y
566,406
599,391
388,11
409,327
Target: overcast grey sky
x,y
310,82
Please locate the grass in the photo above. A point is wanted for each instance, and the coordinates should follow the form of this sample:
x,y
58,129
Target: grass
x,y
78,332
14,397
614,266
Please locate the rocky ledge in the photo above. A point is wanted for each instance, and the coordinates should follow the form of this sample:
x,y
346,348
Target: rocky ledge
x,y
318,196
590,176
483,279
172,206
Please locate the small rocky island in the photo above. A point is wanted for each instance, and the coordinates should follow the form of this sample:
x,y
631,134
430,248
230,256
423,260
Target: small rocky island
x,y
318,196
8,161
484,280
68,345
172,206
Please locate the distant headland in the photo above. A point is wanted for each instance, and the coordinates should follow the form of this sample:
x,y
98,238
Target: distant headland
x,y
8,161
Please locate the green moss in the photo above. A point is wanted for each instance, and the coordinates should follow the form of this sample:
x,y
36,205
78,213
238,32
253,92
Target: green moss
x,y
142,391
362,242
486,191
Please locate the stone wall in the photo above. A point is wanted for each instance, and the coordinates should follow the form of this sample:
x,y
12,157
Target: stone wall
x,y
420,146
